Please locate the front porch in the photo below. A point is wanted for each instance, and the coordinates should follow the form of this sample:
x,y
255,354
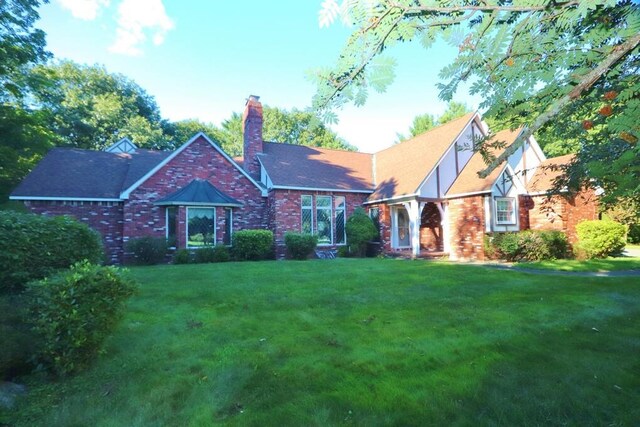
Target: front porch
x,y
420,228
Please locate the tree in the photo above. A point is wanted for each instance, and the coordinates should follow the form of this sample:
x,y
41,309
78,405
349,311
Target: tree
x,y
24,138
20,44
89,107
182,131
425,122
453,111
572,66
290,127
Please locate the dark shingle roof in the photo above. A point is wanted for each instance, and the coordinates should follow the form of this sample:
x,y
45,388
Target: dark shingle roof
x,y
299,166
199,192
75,173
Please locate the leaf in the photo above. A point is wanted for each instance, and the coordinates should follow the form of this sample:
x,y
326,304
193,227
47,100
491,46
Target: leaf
x,y
328,12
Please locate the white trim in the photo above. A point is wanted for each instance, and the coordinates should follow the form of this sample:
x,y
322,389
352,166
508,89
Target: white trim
x,y
452,144
473,193
514,212
344,219
125,194
69,199
488,222
186,228
302,207
166,224
333,190
331,241
200,204
124,141
397,199
266,174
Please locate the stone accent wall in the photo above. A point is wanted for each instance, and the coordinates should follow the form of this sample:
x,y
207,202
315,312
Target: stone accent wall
x,y
198,160
467,228
104,217
284,212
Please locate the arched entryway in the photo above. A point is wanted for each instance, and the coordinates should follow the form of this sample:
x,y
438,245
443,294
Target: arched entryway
x,y
431,228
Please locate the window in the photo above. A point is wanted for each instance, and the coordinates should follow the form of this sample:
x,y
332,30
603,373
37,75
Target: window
x,y
323,220
201,227
505,210
341,232
307,214
171,218
228,226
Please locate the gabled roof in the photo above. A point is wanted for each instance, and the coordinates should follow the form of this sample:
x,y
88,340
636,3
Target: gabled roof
x,y
198,192
468,182
73,174
543,179
301,167
401,168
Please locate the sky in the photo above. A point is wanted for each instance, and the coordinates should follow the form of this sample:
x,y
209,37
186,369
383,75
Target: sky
x,y
202,58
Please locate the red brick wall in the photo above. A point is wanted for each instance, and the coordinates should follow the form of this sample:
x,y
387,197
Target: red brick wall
x,y
558,213
198,160
284,212
385,225
467,227
252,136
430,228
106,220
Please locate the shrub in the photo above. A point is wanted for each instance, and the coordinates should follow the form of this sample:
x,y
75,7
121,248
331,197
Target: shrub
x,y
600,239
252,245
34,246
300,245
182,256
527,245
219,253
19,342
147,250
360,230
74,311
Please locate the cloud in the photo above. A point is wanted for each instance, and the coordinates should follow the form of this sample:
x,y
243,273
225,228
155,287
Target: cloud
x,y
136,19
84,9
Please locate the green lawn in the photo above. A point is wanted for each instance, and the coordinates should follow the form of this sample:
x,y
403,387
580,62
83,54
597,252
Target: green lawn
x,y
358,342
608,264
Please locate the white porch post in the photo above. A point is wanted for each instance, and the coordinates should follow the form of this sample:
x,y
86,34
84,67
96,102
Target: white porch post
x,y
446,230
414,208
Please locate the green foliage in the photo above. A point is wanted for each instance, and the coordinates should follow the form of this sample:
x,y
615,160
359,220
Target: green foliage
x,y
600,239
74,312
35,246
568,69
527,245
182,256
425,122
218,253
453,111
184,130
147,250
19,343
252,245
290,127
88,107
300,245
360,230
626,211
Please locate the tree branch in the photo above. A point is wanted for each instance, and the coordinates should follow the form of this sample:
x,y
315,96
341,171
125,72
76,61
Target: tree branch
x,y
617,53
483,8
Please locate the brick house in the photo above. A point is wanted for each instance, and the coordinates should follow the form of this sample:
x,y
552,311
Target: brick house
x,y
424,193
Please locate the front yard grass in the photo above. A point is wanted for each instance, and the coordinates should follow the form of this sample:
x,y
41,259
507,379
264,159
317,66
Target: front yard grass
x,y
358,342
596,265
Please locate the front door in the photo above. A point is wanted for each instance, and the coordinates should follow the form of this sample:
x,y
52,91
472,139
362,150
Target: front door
x,y
403,228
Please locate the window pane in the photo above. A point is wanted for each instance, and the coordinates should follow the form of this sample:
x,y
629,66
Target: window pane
x,y
171,226
505,211
307,201
323,202
201,227
306,215
338,202
340,231
324,226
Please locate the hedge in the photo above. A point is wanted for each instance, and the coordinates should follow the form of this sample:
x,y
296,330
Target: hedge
x,y
600,239
34,246
300,245
360,230
252,245
527,245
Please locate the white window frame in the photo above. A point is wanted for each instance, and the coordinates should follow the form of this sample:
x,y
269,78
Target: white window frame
x,y
512,201
331,221
166,224
215,226
303,208
396,228
343,209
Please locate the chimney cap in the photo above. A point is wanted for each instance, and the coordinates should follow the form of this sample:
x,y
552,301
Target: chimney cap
x,y
255,98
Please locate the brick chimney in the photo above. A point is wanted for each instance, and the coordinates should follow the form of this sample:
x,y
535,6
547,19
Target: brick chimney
x,y
252,135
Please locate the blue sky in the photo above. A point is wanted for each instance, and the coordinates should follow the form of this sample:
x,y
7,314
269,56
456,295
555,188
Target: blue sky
x,y
201,59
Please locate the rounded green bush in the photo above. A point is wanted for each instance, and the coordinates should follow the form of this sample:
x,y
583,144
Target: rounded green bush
x,y
300,245
600,239
34,246
74,311
219,253
527,245
252,245
147,250
360,230
182,256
